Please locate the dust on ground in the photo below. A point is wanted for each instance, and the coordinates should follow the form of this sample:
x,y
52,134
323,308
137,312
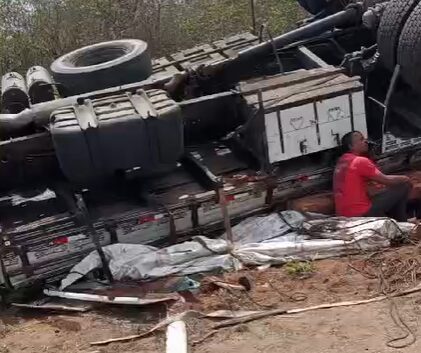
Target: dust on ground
x,y
354,329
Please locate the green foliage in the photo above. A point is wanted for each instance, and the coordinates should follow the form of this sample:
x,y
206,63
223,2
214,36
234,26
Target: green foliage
x,y
34,32
297,268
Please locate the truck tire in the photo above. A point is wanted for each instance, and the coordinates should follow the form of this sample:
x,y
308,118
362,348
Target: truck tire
x,y
103,65
391,25
409,49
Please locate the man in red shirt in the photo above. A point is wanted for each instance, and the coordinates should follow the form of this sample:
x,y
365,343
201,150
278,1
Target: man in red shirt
x,y
352,173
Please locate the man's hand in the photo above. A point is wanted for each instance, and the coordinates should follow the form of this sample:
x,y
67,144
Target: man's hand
x,y
403,179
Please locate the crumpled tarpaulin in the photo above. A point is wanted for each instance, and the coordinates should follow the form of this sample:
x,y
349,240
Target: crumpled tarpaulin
x,y
272,239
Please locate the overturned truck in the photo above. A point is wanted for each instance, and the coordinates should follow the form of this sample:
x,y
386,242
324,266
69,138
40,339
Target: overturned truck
x,y
109,146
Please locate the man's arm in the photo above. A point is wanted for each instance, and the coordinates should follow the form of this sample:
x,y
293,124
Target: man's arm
x,y
389,180
368,169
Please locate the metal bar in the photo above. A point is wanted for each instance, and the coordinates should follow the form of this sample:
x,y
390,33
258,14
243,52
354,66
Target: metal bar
x,y
225,215
204,171
374,100
4,274
275,52
94,236
350,15
309,59
253,16
390,91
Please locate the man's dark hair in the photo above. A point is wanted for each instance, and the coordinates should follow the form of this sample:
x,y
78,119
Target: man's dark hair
x,y
347,141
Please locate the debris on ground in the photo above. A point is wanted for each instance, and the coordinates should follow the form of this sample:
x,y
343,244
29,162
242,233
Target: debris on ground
x,y
175,277
177,337
276,238
333,281
109,300
52,307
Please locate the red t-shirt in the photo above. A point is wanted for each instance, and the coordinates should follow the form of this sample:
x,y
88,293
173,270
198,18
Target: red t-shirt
x,y
349,185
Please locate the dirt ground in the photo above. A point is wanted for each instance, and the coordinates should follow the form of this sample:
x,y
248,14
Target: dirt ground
x,y
365,328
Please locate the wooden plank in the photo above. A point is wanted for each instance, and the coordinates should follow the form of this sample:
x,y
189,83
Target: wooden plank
x,y
162,67
286,80
231,46
305,91
199,55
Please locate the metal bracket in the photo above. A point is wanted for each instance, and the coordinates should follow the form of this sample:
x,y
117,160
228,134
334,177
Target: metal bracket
x,y
309,59
142,104
85,114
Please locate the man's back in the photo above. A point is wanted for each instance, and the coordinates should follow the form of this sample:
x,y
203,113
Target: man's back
x,y
349,185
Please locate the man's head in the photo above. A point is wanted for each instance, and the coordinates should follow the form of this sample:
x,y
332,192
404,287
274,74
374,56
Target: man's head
x,y
355,142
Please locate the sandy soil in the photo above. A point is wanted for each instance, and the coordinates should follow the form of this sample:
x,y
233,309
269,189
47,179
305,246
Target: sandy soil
x,y
348,330
365,328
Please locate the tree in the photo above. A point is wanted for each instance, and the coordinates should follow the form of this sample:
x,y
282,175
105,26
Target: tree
x,y
38,31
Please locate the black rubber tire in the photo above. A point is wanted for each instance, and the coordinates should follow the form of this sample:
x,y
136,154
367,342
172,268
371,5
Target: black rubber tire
x,y
409,49
103,65
391,24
